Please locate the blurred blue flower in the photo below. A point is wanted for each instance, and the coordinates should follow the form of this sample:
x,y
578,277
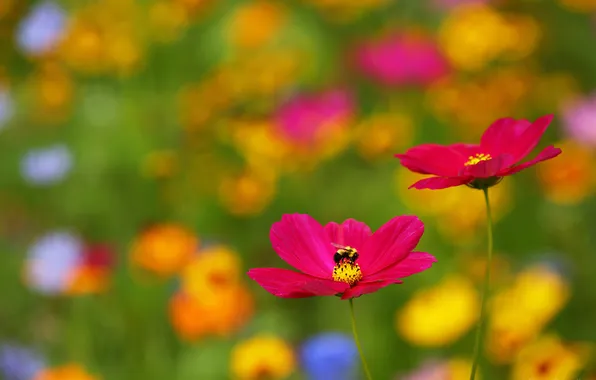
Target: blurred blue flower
x,y
41,29
329,356
19,363
51,260
46,166
6,106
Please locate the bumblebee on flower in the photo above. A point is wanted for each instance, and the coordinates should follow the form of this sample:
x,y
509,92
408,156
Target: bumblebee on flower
x,y
345,259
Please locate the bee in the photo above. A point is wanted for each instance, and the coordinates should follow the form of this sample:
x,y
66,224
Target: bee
x,y
345,253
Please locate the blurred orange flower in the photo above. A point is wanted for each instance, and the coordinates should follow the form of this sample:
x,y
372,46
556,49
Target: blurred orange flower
x,y
256,23
67,372
570,179
248,193
195,318
262,357
164,249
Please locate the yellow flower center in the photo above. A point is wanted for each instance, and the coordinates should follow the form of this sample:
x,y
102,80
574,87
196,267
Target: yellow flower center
x,y
479,157
347,271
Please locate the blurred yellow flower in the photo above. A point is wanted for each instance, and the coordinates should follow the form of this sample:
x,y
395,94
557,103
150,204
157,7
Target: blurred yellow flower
x,y
519,312
211,270
103,37
474,35
459,211
213,94
579,5
66,372
248,193
194,318
168,20
258,143
472,104
569,179
262,357
164,249
439,315
382,134
548,358
256,23
53,92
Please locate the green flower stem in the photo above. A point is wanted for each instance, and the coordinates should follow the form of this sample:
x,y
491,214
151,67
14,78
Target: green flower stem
x,y
485,287
364,364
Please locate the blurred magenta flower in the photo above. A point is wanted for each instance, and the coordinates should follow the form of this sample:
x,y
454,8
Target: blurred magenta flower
x,y
579,120
19,363
51,261
306,118
506,142
46,166
42,28
341,259
401,59
329,356
6,106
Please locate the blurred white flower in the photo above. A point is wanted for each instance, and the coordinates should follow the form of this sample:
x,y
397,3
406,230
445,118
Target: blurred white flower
x,y
46,166
6,106
51,261
42,28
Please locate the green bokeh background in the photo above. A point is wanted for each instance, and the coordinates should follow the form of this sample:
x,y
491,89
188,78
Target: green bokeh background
x,y
125,333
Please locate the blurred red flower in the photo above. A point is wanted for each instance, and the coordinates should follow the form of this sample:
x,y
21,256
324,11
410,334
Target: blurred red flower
x,y
502,146
341,259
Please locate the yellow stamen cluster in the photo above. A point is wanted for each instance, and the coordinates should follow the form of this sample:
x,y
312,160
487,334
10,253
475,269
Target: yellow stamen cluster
x,y
473,160
347,271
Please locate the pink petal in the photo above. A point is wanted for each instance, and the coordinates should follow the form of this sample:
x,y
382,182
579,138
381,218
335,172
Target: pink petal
x,y
414,263
438,183
490,168
390,244
303,243
515,137
546,154
441,160
350,232
366,287
289,284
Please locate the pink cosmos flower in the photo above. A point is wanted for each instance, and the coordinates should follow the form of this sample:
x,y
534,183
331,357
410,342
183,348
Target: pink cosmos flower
x,y
502,146
305,117
402,59
345,259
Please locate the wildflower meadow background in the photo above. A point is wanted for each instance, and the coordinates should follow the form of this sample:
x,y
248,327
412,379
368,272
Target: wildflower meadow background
x,y
148,146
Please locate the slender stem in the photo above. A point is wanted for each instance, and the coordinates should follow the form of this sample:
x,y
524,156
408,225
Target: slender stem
x,y
364,364
485,288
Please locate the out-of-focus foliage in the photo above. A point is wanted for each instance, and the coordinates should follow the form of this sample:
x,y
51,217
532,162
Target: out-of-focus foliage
x,y
148,146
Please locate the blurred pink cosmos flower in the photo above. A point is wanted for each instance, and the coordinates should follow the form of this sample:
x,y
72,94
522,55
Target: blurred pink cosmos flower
x,y
400,59
341,259
579,120
305,118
